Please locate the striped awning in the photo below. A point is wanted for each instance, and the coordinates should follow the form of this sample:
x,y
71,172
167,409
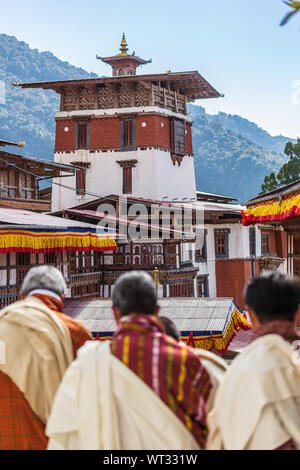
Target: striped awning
x,y
273,210
48,241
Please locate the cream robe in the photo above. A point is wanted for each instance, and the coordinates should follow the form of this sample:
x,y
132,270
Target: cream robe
x,y
258,402
216,367
38,351
103,405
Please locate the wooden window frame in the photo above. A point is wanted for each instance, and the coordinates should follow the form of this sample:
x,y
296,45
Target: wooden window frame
x,y
201,254
21,257
252,242
81,182
128,134
82,135
178,137
50,258
127,166
266,243
127,180
202,281
224,233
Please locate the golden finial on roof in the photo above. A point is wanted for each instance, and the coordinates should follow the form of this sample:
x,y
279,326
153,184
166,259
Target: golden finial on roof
x,y
124,46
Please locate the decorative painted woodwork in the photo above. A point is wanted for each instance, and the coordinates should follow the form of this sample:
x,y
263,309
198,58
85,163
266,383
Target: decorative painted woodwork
x,y
106,98
126,96
138,94
143,94
88,99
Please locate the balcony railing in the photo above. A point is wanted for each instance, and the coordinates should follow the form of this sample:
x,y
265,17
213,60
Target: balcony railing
x,y
7,299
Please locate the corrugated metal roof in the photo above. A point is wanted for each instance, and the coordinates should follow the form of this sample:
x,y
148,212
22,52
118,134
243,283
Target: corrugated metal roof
x,y
18,217
15,158
197,315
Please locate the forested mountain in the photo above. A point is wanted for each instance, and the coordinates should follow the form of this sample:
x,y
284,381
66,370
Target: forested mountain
x,y
28,115
228,162
246,128
232,155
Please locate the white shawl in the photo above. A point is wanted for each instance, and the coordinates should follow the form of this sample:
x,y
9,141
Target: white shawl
x,y
103,405
258,402
38,349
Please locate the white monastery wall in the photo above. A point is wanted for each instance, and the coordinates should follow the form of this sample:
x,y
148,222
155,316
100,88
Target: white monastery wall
x,y
154,177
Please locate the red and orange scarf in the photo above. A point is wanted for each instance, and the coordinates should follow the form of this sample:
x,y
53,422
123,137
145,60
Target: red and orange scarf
x,y
51,302
170,369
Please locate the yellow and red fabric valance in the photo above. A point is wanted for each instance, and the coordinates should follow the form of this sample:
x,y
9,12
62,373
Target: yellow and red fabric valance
x,y
273,210
221,340
40,241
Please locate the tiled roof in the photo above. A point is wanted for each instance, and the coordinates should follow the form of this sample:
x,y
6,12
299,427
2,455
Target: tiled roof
x,y
18,217
196,315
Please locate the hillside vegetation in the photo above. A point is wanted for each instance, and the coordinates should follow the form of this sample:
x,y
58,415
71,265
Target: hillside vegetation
x,y
232,155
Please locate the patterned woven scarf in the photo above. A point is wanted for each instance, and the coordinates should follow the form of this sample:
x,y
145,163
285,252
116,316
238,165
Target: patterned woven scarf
x,y
285,329
52,303
169,368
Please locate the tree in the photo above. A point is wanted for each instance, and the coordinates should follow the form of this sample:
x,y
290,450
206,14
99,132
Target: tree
x,y
288,173
270,183
295,5
293,150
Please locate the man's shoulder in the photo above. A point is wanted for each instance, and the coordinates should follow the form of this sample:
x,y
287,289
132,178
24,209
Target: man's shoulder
x,y
77,330
263,356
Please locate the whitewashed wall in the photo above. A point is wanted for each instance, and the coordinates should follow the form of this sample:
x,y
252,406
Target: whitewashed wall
x,y
239,247
154,177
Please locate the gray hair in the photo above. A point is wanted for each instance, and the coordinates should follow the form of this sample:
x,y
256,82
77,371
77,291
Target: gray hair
x,y
44,277
135,292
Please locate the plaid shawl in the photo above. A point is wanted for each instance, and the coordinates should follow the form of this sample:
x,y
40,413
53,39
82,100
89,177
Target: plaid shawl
x,y
20,427
169,368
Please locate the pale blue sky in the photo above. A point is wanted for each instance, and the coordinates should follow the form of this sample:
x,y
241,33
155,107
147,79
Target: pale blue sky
x,y
237,45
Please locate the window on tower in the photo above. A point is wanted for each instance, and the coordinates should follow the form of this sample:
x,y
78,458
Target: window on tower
x,y
81,172
127,166
82,135
127,180
177,136
81,181
128,134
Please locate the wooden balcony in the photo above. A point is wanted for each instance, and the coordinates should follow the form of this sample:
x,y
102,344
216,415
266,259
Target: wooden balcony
x,y
85,279
36,205
7,299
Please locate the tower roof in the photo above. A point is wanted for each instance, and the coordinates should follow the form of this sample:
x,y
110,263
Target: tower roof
x,y
123,60
124,46
191,84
